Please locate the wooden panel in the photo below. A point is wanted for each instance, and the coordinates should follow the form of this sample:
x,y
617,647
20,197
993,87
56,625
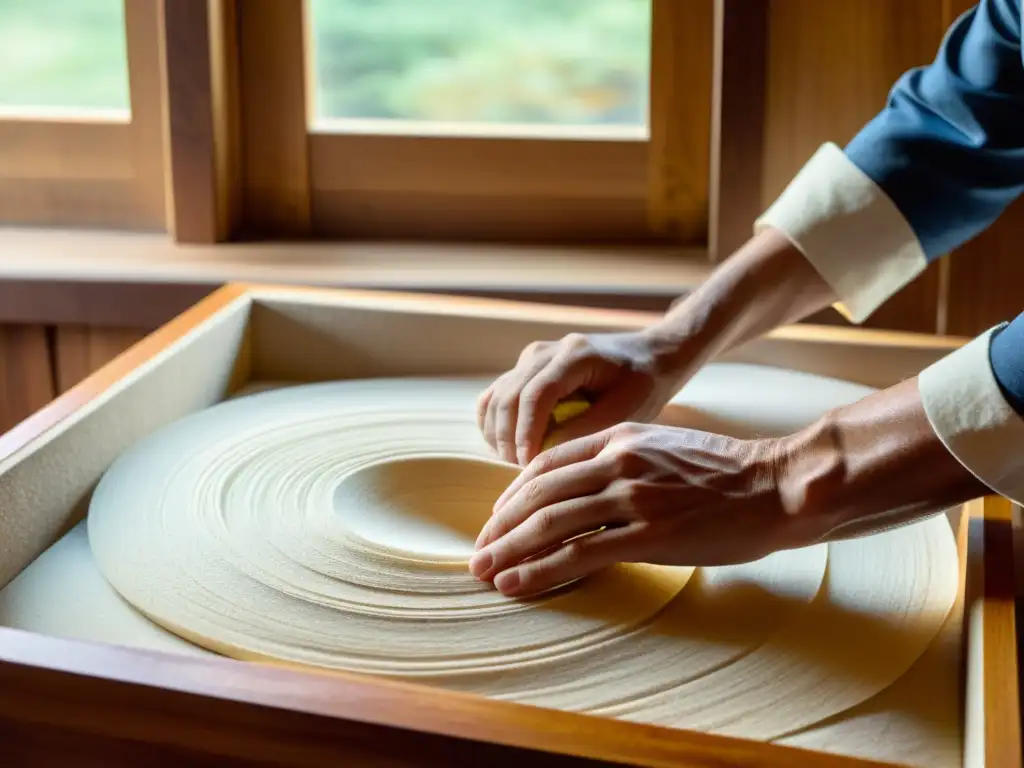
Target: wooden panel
x,y
831,65
986,277
80,349
147,89
26,378
68,150
70,202
272,83
491,188
198,52
737,128
94,697
992,698
680,117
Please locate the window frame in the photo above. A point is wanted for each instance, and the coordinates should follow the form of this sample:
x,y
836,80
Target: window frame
x,y
77,169
221,148
306,179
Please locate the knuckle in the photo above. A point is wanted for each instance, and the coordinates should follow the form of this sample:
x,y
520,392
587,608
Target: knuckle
x,y
533,349
628,430
531,492
503,409
631,495
624,462
574,551
575,342
544,521
543,463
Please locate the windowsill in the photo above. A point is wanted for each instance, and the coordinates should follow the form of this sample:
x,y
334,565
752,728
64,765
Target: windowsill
x,y
140,280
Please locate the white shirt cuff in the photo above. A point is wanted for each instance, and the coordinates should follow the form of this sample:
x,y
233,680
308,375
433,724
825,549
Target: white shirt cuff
x,y
971,416
849,230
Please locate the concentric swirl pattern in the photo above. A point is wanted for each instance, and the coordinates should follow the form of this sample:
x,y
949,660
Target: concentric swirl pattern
x,y
329,525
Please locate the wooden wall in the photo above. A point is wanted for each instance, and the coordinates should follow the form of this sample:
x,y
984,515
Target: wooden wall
x,y
38,362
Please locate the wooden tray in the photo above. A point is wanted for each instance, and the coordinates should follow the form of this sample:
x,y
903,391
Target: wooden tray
x,y
99,704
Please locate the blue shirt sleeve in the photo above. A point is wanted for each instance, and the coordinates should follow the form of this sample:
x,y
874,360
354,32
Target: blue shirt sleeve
x,y
948,149
1006,353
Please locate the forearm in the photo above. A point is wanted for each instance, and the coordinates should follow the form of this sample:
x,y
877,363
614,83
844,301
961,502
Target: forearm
x,y
869,466
767,283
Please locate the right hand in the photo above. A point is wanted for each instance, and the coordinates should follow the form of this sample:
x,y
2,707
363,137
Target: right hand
x,y
626,377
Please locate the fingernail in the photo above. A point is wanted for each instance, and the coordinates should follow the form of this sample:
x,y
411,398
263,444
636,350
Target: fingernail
x,y
481,563
507,582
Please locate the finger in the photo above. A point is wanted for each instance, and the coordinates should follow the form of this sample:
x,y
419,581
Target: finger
x,y
566,483
506,413
560,456
498,389
557,380
549,527
573,560
482,404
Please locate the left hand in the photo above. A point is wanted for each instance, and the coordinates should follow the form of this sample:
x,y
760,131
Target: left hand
x,y
661,495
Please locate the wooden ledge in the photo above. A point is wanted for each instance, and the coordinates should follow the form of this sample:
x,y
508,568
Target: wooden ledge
x,y
141,280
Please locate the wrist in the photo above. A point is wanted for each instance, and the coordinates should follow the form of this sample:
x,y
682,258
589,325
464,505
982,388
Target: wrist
x,y
767,283
872,465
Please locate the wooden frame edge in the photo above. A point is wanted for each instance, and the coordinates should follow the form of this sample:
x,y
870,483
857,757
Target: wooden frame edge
x,y
246,710
36,426
682,63
200,55
48,682
739,93
990,623
273,120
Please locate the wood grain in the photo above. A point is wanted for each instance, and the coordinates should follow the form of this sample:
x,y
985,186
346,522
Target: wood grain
x,y
147,89
986,281
831,65
65,404
991,631
26,378
81,349
737,127
199,99
274,115
491,188
680,118
166,705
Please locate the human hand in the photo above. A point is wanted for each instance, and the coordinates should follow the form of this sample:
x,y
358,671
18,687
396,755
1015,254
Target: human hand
x,y
626,376
640,493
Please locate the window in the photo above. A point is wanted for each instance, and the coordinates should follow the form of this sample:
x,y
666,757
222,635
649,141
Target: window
x,y
480,119
500,120
80,113
58,55
512,62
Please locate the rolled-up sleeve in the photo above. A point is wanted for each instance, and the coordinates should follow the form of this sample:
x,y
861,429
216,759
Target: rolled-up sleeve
x,y
934,168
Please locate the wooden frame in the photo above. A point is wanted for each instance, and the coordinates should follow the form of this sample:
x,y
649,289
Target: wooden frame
x,y
99,702
93,171
371,179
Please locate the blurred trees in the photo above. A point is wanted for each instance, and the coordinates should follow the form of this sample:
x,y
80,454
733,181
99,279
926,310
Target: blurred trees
x,y
528,61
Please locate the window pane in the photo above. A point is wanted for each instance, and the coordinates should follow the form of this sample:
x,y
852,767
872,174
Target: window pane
x,y
568,62
63,53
